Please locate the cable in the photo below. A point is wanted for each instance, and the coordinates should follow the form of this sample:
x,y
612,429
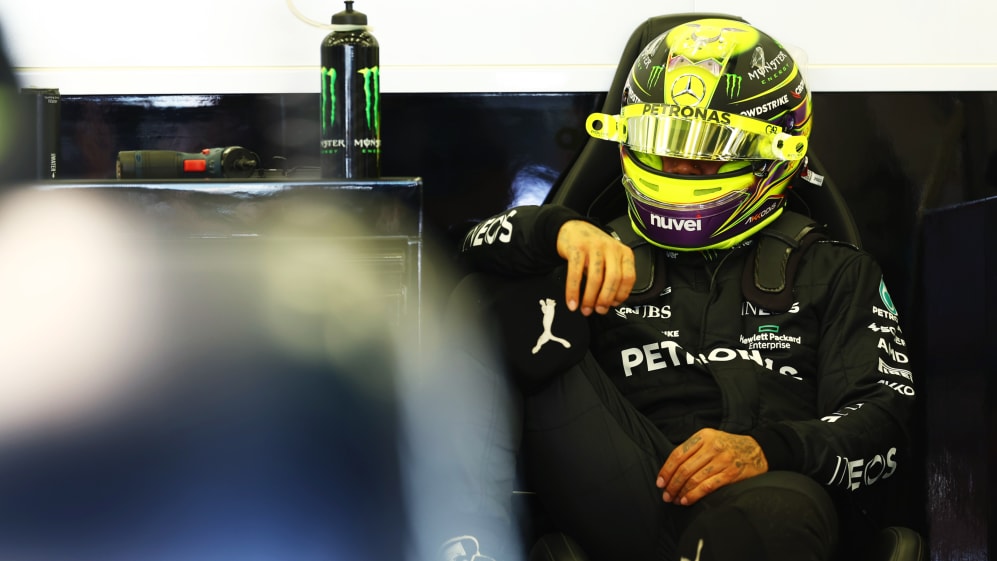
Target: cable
x,y
297,13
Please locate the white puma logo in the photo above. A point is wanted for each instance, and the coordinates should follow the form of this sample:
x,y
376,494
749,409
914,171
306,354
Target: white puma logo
x,y
547,306
699,551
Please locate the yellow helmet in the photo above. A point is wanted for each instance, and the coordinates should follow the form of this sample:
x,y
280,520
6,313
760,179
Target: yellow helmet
x,y
718,90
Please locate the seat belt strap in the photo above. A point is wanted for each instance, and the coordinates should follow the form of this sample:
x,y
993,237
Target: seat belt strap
x,y
768,275
649,262
767,280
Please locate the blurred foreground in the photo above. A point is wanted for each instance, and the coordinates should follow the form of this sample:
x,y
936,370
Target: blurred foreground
x,y
188,398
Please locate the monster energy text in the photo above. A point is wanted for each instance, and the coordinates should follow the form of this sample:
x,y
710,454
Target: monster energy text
x,y
764,68
371,110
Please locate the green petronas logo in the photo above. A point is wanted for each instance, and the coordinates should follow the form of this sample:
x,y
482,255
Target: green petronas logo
x,y
328,101
733,85
885,297
372,94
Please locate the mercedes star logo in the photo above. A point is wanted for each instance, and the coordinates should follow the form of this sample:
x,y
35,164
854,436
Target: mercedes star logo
x,y
688,89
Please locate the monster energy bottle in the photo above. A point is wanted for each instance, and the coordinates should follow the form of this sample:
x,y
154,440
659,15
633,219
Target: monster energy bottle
x,y
350,100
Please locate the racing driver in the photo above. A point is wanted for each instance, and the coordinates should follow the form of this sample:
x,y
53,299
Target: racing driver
x,y
703,418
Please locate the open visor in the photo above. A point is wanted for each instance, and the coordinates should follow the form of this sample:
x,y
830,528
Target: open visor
x,y
696,133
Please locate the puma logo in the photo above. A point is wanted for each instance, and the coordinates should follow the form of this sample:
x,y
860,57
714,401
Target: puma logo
x,y
699,551
547,306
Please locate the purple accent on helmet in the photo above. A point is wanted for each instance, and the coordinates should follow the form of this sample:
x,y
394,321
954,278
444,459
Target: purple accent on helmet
x,y
796,117
691,229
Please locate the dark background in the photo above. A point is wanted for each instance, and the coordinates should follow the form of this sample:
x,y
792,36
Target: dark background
x,y
893,155
916,168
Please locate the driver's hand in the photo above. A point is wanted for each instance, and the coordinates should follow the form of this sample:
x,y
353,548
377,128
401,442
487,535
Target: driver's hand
x,y
708,460
606,264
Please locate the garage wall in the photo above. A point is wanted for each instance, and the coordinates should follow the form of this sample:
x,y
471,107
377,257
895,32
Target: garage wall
x,y
271,46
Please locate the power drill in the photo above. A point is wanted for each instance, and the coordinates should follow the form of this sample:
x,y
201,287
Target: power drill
x,y
229,162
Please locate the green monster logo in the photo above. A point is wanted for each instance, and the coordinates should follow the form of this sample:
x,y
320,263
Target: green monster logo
x,y
371,88
372,94
733,85
655,75
328,101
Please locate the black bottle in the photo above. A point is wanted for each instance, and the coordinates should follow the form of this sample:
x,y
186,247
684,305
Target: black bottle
x,y
350,102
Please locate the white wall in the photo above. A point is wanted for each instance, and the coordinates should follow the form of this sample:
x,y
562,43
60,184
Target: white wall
x,y
260,46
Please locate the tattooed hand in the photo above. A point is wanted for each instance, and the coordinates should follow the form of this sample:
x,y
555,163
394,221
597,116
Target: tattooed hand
x,y
707,461
605,263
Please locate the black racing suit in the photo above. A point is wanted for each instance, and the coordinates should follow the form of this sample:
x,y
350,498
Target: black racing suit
x,y
825,388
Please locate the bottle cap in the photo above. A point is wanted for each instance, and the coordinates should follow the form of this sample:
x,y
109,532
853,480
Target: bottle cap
x,y
349,16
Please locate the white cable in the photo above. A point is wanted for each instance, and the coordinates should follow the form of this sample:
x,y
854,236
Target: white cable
x,y
297,13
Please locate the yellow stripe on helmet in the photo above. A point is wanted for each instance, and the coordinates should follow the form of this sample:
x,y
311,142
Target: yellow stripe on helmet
x,y
695,132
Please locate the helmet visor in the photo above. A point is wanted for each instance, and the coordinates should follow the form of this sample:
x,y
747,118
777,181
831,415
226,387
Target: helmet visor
x,y
696,133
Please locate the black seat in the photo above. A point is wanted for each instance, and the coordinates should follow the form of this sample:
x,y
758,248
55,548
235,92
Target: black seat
x,y
591,185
